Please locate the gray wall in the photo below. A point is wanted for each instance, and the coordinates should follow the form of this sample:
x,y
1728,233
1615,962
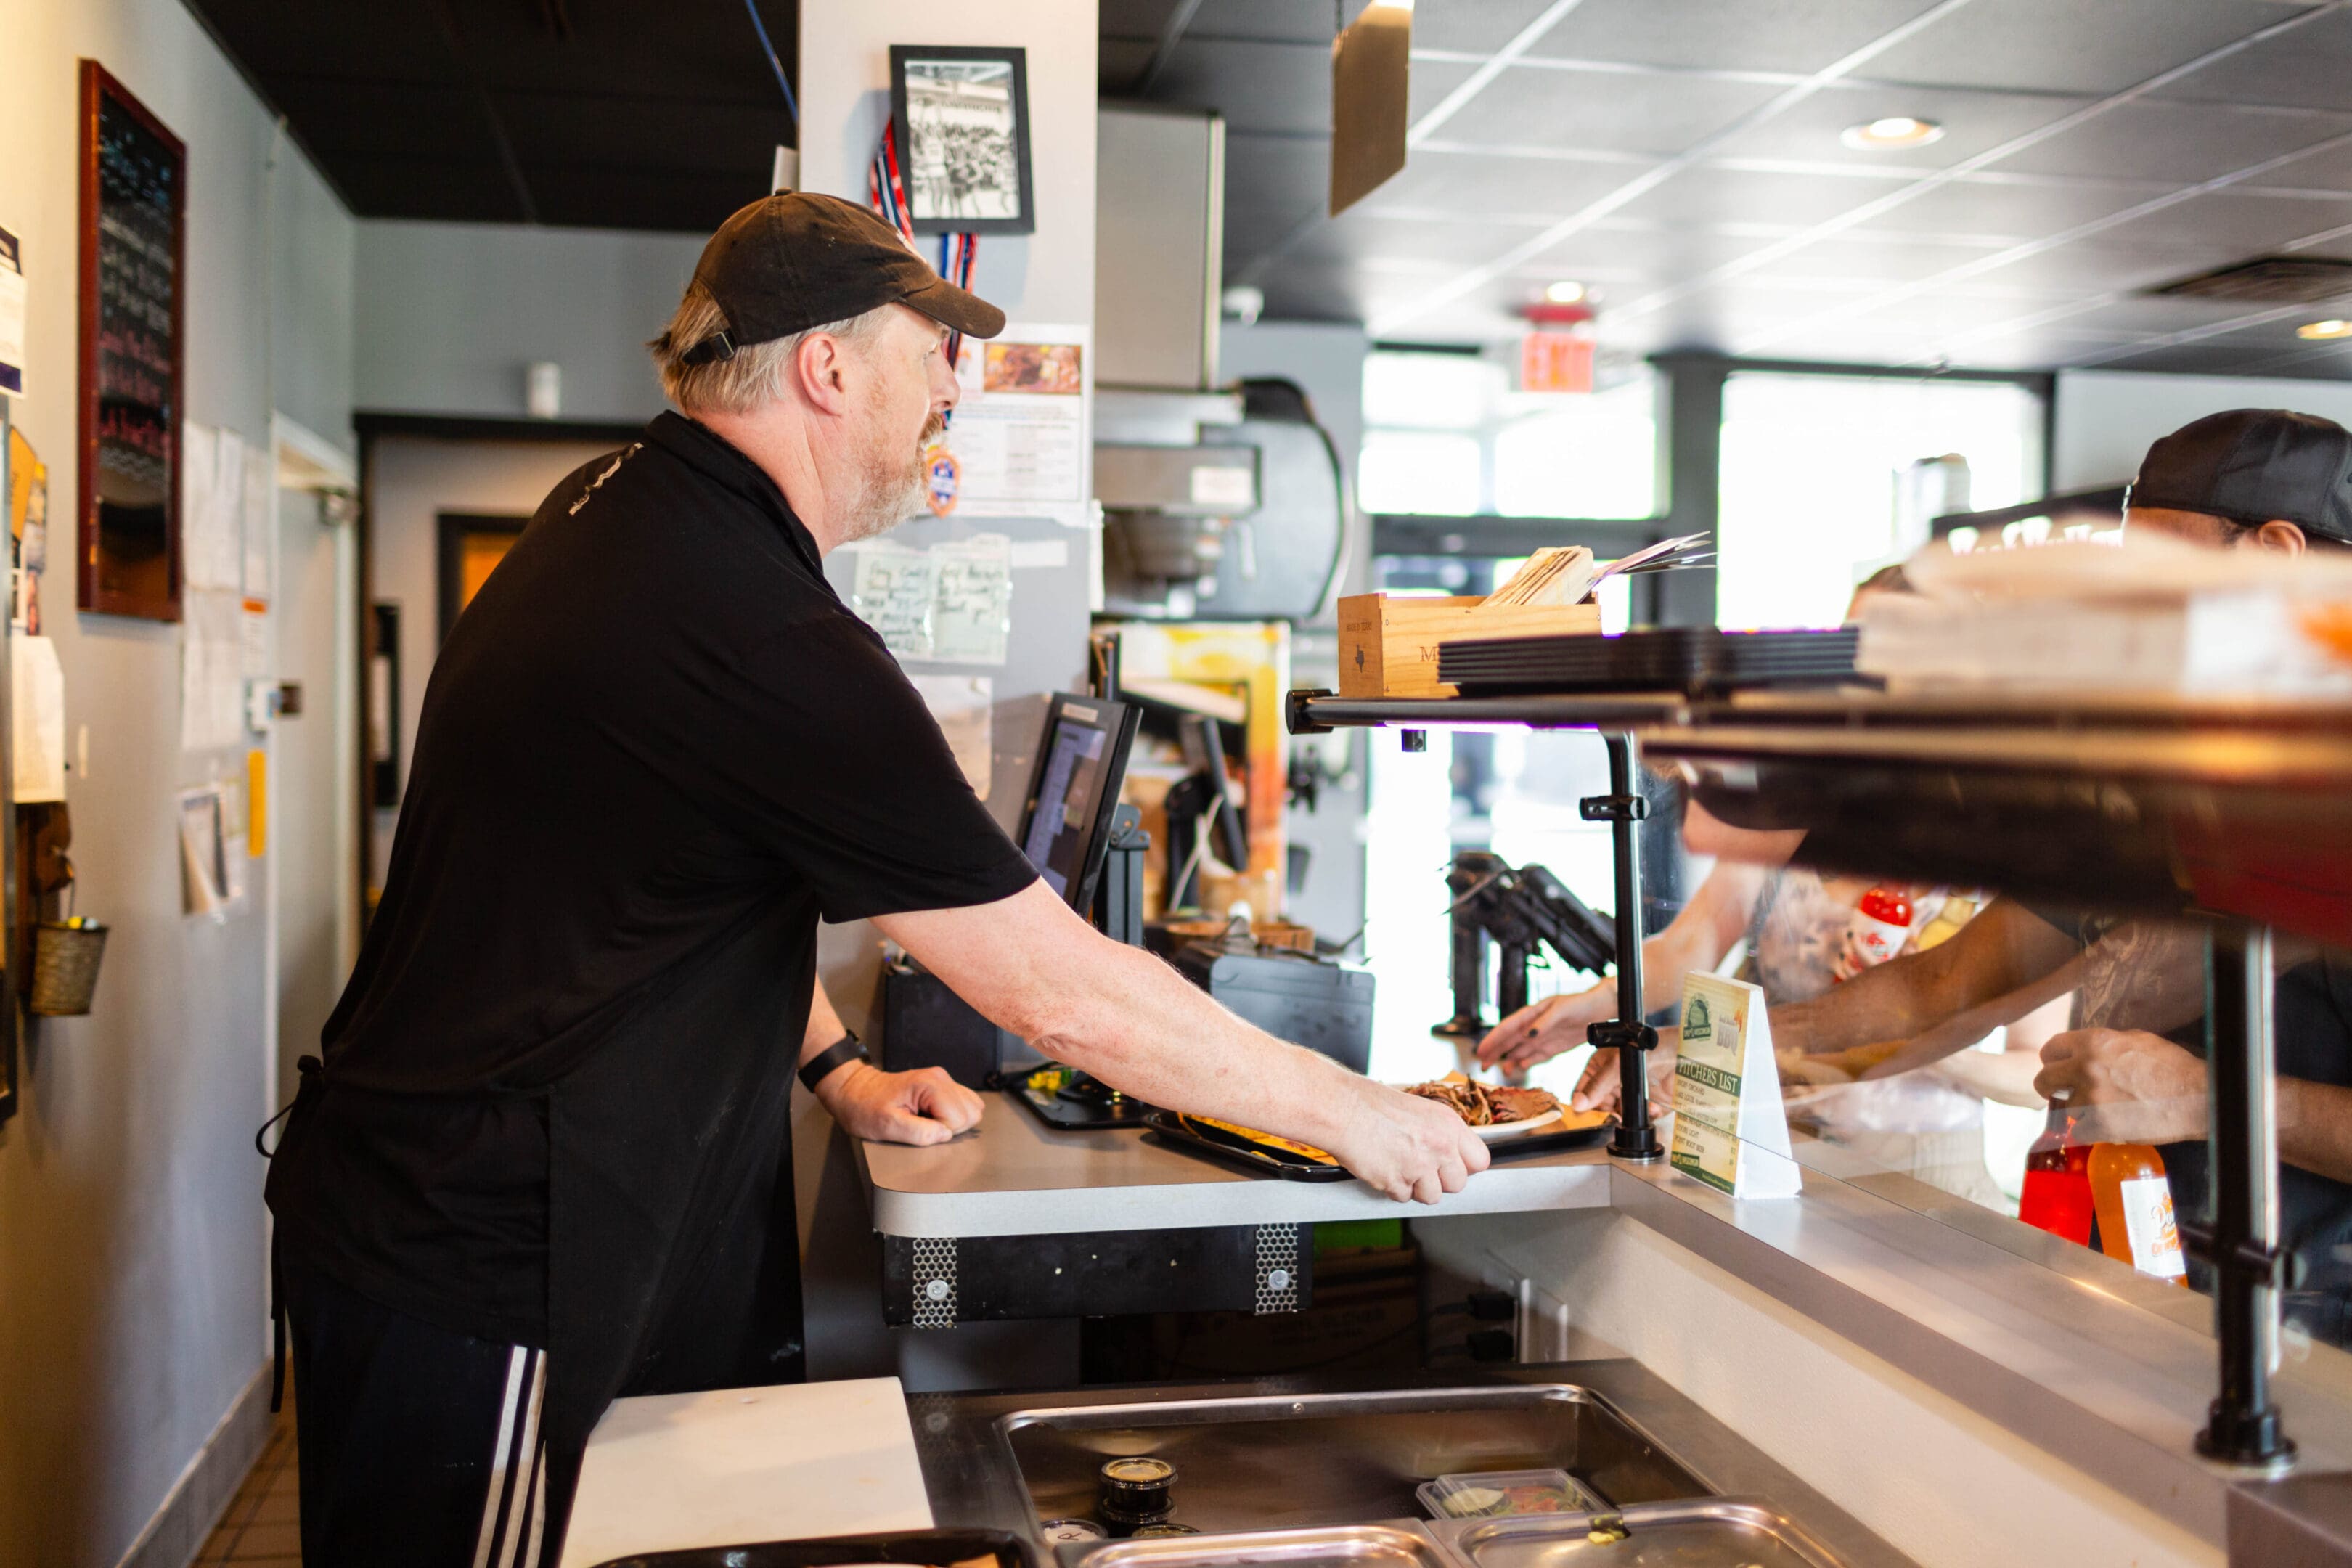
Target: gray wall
x,y
131,1302
1327,359
450,314
2106,419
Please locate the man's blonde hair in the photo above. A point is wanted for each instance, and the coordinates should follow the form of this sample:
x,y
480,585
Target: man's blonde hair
x,y
755,375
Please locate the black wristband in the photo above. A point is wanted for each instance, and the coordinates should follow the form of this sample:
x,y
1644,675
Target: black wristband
x,y
848,1048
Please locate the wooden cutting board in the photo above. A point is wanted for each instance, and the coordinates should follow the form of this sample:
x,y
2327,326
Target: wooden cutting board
x,y
740,1465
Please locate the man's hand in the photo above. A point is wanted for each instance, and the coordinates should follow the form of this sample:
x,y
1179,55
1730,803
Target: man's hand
x,y
2139,1088
1406,1146
1602,1086
1541,1030
925,1106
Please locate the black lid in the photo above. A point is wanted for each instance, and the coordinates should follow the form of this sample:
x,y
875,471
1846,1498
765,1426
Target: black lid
x,y
794,260
2254,464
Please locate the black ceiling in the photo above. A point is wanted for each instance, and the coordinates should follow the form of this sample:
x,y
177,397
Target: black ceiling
x,y
1681,158
614,113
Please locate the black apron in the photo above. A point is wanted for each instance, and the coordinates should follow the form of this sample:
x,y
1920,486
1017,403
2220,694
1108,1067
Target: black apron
x,y
672,1251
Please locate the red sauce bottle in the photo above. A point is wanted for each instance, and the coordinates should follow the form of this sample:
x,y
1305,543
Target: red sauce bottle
x,y
2057,1193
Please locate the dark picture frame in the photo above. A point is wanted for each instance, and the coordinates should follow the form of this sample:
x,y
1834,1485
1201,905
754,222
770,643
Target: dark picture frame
x,y
963,141
133,355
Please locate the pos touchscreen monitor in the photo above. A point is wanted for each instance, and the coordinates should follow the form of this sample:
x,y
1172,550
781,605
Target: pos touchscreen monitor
x,y
1081,762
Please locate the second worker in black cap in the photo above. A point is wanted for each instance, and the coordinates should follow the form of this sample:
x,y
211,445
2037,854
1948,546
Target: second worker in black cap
x,y
545,1161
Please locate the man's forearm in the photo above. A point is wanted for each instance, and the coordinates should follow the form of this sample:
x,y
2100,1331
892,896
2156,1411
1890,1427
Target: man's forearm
x,y
1143,1028
2316,1127
2003,950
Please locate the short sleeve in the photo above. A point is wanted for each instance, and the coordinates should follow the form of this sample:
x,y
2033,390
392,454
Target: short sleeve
x,y
820,750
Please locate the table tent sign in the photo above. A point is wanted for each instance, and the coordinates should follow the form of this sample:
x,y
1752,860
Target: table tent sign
x,y
1731,1130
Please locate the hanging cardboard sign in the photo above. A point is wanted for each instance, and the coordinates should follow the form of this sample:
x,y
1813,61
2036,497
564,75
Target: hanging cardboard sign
x,y
1730,1128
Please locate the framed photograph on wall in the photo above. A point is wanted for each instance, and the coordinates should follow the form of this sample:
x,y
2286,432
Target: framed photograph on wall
x,y
134,246
960,117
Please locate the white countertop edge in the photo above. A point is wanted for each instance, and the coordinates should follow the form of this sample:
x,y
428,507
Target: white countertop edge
x,y
1507,1189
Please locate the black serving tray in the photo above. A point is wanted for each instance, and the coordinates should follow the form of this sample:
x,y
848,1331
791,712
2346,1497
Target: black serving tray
x,y
1228,1150
1065,1115
916,1548
1699,660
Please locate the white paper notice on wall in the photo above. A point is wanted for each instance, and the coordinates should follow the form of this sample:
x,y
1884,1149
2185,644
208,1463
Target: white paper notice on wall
x,y
212,669
260,522
964,706
12,315
212,510
1730,1128
38,685
205,883
892,593
971,600
1020,432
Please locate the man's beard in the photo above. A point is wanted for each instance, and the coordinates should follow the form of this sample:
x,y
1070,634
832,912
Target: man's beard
x,y
891,486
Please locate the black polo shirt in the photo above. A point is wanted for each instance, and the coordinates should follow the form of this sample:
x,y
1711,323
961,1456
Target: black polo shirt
x,y
656,748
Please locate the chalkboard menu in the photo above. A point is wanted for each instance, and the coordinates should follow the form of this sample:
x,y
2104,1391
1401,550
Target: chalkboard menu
x,y
134,250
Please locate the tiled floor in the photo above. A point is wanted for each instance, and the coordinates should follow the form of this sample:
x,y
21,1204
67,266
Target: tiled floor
x,y
261,1528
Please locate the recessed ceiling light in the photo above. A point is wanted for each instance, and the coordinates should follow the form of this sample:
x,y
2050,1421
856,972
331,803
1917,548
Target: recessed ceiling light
x,y
1564,292
1895,130
2330,329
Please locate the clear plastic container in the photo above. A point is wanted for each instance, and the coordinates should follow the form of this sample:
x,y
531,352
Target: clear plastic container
x,y
1488,1494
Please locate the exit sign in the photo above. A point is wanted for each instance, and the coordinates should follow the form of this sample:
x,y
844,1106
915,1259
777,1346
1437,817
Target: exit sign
x,y
1555,361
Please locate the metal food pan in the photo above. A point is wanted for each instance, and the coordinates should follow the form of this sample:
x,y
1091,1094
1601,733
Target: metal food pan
x,y
1322,1546
1709,1533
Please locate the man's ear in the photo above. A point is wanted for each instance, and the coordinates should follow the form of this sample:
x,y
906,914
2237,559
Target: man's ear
x,y
2285,538
821,365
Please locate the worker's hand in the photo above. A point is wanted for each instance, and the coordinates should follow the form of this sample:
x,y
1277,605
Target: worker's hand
x,y
925,1106
1541,1030
1406,1146
2134,1086
1602,1087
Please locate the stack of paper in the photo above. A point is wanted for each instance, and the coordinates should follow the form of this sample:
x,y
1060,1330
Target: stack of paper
x,y
2153,616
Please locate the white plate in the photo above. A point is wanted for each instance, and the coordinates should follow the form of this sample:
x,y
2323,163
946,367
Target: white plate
x,y
1496,1134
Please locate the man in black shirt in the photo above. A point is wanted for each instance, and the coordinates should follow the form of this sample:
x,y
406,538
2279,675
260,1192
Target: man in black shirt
x,y
544,1163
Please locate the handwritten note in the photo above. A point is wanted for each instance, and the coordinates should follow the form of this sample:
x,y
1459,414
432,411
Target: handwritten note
x,y
893,594
971,605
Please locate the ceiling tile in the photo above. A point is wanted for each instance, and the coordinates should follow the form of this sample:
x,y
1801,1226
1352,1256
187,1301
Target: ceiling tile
x,y
1281,21
1136,19
1968,208
466,192
400,120
2163,314
356,42
1535,106
2308,67
2249,222
701,133
2104,264
1363,234
1716,196
1481,184
1480,27
1117,64
1973,122
1255,86
2189,359
1655,254
2327,170
1276,170
690,201
1872,258
2069,46
2184,143
1800,35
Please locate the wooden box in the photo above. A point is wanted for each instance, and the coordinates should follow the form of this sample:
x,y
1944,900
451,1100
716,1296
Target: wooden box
x,y
1387,647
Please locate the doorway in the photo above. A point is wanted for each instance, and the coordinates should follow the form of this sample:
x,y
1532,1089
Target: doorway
x,y
311,753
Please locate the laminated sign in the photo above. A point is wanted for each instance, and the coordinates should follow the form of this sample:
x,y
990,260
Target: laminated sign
x,y
1730,1130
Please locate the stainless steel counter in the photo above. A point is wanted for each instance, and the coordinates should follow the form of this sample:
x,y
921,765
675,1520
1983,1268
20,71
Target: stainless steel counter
x,y
1012,1177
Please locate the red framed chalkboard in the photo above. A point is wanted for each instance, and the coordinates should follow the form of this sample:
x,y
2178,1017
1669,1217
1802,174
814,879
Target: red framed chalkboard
x,y
134,233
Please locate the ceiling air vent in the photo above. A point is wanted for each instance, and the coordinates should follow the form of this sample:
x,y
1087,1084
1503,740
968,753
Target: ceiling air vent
x,y
2270,280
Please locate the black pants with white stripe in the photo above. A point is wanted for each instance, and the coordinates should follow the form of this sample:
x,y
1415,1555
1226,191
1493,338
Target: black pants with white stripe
x,y
419,1447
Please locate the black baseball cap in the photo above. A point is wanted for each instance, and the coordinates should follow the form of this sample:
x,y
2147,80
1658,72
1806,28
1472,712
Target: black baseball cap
x,y
795,260
2252,464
